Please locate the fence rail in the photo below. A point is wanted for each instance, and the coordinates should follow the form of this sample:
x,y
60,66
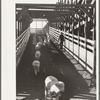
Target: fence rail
x,y
80,48
21,43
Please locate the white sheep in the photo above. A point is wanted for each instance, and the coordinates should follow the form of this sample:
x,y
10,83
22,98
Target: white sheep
x,y
49,81
36,66
37,47
40,44
56,90
37,55
61,86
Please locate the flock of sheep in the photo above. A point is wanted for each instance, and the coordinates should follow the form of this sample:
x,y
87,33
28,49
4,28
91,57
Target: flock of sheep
x,y
53,87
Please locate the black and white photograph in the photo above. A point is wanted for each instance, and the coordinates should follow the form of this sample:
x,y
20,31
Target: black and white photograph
x,y
53,53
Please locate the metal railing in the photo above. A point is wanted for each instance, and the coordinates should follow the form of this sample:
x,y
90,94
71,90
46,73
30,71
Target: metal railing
x,y
21,43
82,50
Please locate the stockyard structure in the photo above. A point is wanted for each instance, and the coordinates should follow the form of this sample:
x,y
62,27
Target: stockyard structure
x,y
75,64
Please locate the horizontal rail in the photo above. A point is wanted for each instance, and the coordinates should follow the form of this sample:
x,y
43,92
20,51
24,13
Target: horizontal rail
x,y
76,46
21,45
21,35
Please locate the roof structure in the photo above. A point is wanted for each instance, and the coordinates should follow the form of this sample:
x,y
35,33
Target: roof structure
x,y
54,12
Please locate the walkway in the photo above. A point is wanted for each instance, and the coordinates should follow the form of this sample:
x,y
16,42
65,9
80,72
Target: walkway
x,y
53,62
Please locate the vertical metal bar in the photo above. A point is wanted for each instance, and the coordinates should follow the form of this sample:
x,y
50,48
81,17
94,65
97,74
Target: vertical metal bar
x,y
64,37
85,36
78,39
18,28
68,33
36,26
93,36
73,34
42,27
94,45
21,26
69,37
78,33
48,28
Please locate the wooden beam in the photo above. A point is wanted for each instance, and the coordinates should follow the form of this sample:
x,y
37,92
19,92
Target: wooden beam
x,y
48,13
66,17
87,13
73,16
18,5
77,12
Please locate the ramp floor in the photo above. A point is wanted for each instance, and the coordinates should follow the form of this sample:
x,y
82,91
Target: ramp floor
x,y
53,62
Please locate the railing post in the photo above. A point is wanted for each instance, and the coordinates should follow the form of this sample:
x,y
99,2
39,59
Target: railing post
x,y
73,34
69,33
85,36
94,45
78,39
36,26
64,36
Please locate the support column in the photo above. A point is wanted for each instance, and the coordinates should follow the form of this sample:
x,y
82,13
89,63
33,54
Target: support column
x,y
94,39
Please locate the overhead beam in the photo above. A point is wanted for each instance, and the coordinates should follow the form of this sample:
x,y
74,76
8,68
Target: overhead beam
x,y
52,8
73,16
18,5
87,13
66,17
60,10
77,12
40,7
50,12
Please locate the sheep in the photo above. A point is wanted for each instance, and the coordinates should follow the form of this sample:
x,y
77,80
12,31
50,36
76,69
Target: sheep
x,y
36,66
56,90
53,88
40,44
37,47
49,81
37,55
61,86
